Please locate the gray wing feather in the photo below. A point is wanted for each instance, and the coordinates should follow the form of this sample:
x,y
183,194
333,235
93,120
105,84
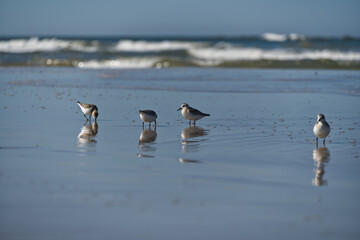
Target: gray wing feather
x,y
197,112
86,105
149,112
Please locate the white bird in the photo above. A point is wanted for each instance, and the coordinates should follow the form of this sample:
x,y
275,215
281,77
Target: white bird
x,y
148,116
89,109
191,114
321,128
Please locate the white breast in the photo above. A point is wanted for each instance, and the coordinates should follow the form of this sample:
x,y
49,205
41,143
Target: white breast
x,y
86,111
147,118
321,130
187,115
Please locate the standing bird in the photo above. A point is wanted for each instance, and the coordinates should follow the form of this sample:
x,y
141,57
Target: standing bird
x,y
191,114
89,109
148,116
321,128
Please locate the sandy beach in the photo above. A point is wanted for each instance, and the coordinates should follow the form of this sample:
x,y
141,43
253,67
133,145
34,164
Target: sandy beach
x,y
253,164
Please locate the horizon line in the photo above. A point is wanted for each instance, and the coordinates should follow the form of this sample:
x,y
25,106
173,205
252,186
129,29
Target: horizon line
x,y
170,35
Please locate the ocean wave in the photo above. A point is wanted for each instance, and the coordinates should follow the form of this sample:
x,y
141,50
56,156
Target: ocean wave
x,y
275,37
120,63
151,46
253,54
296,37
44,45
52,44
268,50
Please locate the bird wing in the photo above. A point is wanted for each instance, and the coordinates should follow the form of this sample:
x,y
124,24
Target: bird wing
x,y
197,112
149,112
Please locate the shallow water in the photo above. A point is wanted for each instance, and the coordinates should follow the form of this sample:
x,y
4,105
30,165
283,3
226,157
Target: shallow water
x,y
251,170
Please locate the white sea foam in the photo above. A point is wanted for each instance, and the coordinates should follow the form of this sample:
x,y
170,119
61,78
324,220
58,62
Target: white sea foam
x,y
43,45
296,37
253,54
120,63
206,62
274,37
148,46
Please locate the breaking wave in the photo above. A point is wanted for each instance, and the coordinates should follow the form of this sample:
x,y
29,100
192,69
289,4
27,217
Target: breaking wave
x,y
119,63
45,45
150,46
253,54
275,37
268,50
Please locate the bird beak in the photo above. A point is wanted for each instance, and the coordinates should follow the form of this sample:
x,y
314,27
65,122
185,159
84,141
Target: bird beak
x,y
179,109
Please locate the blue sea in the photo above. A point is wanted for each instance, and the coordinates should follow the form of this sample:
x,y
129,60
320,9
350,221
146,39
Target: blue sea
x,y
269,50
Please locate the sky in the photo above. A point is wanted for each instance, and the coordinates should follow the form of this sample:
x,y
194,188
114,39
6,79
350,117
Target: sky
x,y
175,18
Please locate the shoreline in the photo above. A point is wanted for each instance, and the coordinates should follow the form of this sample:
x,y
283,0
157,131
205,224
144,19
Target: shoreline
x,y
342,82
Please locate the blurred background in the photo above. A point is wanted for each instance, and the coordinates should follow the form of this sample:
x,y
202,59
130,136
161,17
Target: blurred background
x,y
146,34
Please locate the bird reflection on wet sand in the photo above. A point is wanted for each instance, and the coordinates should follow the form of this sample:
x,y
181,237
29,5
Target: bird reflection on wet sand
x,y
321,156
86,136
147,141
193,144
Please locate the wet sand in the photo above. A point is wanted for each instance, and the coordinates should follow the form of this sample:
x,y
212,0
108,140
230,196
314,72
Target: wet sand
x,y
249,171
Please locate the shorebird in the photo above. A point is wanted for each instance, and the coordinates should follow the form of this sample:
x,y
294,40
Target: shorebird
x,y
148,116
191,114
321,128
89,109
